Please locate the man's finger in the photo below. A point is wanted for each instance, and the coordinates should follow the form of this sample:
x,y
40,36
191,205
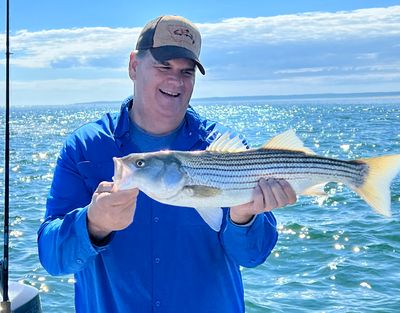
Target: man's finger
x,y
270,202
279,193
289,192
123,197
105,186
258,199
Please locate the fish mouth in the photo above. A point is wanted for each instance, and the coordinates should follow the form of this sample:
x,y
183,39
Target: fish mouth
x,y
170,93
121,171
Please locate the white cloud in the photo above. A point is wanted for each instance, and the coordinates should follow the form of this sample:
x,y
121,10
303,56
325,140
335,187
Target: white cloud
x,y
77,47
374,82
320,51
367,56
364,23
395,67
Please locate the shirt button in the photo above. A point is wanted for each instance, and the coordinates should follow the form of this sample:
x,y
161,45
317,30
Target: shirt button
x,y
156,219
157,260
158,303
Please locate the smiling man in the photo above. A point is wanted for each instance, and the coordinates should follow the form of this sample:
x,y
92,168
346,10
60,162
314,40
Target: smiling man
x,y
128,252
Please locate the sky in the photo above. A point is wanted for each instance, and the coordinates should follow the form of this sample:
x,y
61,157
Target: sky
x,y
77,51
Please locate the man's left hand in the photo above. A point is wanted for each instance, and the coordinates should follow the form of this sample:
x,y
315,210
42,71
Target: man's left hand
x,y
269,194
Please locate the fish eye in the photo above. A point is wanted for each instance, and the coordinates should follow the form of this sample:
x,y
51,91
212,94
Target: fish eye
x,y
140,163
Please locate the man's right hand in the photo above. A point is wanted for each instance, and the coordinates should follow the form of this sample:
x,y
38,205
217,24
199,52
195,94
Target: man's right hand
x,y
110,210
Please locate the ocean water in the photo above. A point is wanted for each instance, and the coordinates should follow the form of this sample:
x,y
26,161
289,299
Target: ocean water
x,y
332,256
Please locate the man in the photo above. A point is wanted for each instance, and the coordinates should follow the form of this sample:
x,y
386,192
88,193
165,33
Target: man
x,y
128,252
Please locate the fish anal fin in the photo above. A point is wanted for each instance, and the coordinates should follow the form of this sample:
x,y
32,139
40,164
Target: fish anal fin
x,y
288,140
212,216
316,190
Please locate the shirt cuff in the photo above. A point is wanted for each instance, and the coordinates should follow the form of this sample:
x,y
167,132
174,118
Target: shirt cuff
x,y
97,245
242,225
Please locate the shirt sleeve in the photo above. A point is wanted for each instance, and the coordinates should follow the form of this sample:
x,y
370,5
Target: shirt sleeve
x,y
64,243
63,238
250,246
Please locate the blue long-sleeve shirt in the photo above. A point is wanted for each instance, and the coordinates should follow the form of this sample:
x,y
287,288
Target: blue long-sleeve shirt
x,y
168,260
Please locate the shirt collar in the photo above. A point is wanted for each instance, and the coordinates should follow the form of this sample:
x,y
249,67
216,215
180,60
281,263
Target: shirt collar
x,y
195,134
121,130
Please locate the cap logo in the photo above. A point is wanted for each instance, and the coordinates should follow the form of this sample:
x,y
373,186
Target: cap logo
x,y
181,34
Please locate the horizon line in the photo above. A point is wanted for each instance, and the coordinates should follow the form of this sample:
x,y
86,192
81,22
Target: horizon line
x,y
331,95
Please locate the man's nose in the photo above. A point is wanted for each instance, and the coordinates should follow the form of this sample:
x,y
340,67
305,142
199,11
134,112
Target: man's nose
x,y
176,79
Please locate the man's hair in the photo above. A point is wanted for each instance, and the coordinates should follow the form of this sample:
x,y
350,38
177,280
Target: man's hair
x,y
140,54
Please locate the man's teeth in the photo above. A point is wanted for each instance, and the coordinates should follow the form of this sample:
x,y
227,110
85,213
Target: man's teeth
x,y
169,93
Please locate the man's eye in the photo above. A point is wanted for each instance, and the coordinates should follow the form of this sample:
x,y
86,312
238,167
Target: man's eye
x,y
163,68
188,73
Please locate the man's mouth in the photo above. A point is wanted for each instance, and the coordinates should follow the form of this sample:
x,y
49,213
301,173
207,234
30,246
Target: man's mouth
x,y
170,93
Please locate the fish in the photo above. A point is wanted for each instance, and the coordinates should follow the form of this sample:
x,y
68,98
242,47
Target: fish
x,y
226,173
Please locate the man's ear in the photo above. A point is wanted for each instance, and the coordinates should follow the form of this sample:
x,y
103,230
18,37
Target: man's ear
x,y
132,65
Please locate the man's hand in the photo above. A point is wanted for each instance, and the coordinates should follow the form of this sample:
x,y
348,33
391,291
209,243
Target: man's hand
x,y
268,195
110,210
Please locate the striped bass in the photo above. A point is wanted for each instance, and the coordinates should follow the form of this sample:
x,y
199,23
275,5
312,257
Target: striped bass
x,y
226,173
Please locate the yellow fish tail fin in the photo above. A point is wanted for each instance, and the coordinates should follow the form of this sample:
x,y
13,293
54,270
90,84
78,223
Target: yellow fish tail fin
x,y
376,188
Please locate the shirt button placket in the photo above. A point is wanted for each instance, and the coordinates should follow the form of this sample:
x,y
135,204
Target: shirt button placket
x,y
157,260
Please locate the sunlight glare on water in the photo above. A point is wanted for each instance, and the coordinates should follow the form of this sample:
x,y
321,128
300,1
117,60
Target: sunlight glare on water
x,y
333,255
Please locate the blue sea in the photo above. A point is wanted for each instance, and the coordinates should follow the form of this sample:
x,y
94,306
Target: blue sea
x,y
332,256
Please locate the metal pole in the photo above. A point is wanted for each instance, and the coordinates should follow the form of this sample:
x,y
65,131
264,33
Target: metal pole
x,y
6,305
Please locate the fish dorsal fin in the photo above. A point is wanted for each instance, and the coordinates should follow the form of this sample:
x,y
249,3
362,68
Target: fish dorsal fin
x,y
287,141
225,143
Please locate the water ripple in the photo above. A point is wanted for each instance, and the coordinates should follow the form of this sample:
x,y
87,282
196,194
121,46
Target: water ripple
x,y
332,256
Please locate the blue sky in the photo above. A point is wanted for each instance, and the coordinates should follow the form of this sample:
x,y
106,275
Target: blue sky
x,y
77,51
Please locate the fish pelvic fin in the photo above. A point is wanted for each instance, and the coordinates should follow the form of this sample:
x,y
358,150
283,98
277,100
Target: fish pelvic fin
x,y
212,216
376,188
288,140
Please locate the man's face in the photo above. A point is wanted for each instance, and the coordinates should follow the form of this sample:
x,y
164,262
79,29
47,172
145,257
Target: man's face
x,y
162,90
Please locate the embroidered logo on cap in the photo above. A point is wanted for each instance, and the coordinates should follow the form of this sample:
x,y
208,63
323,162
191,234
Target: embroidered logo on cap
x,y
181,34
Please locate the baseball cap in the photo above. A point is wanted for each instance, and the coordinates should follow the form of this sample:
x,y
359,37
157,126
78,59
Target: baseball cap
x,y
171,37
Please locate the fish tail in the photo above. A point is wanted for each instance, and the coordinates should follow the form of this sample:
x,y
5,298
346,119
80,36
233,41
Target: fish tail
x,y
376,188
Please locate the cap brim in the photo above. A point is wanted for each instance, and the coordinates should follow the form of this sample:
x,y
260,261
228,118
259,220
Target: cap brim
x,y
166,53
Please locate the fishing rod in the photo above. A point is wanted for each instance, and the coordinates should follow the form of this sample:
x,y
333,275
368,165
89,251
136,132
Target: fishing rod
x,y
25,298
6,304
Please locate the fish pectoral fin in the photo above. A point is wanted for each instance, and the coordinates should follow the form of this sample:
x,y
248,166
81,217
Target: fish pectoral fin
x,y
225,143
212,216
287,141
201,191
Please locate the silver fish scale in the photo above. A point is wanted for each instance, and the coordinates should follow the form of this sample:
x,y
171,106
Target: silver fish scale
x,y
242,170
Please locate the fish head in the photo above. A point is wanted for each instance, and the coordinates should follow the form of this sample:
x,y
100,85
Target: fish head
x,y
158,174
